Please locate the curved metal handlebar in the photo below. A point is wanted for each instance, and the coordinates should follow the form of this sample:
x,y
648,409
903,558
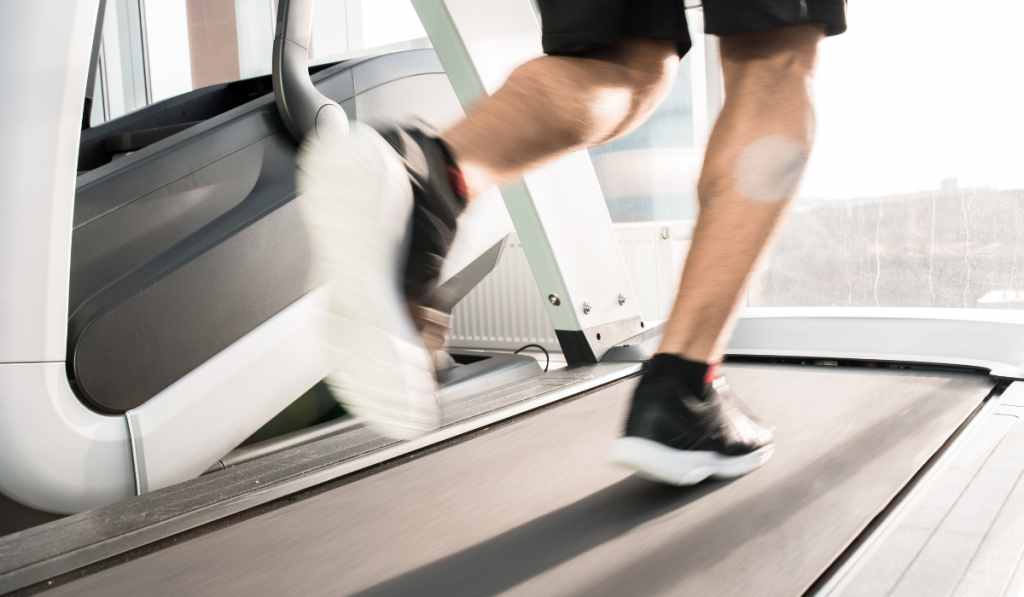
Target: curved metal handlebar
x,y
304,109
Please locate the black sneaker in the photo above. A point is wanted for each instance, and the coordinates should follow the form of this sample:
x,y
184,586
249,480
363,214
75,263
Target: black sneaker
x,y
380,223
682,430
436,208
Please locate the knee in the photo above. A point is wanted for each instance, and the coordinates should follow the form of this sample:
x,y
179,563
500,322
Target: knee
x,y
638,75
640,68
593,98
650,67
648,70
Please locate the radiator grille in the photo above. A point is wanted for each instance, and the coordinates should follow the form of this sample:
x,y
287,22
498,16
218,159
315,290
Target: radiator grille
x,y
506,310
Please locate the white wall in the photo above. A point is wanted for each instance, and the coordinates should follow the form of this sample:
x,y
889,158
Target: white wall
x,y
170,64
330,28
339,27
127,24
112,62
256,21
390,21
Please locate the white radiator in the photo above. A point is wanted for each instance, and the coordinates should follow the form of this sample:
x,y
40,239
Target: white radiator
x,y
506,310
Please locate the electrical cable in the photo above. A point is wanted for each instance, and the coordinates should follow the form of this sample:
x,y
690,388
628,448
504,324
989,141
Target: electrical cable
x,y
546,355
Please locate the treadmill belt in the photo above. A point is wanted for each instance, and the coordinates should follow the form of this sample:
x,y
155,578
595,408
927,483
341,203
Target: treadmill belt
x,y
531,508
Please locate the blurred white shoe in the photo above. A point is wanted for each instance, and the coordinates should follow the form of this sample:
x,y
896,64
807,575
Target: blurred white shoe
x,y
357,203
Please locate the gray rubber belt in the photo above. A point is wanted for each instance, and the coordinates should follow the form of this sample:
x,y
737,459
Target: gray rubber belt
x,y
532,508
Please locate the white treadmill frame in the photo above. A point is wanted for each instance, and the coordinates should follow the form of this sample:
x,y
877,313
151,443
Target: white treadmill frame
x,y
59,456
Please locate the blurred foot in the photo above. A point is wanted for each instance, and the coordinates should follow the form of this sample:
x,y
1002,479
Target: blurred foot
x,y
438,199
432,324
683,428
378,239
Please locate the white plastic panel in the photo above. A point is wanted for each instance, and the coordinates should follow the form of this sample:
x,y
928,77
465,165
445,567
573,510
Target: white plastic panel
x,y
558,210
654,259
184,429
505,310
992,340
55,454
45,48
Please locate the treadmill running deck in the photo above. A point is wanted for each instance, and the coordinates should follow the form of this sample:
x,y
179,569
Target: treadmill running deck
x,y
532,508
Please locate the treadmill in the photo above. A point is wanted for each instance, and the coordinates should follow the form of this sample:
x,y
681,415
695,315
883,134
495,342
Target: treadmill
x,y
189,304
898,468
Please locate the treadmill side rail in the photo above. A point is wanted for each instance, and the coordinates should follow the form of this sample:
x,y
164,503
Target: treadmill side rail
x,y
55,454
229,397
977,338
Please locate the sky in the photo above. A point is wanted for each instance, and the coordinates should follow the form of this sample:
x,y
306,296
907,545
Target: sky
x,y
916,91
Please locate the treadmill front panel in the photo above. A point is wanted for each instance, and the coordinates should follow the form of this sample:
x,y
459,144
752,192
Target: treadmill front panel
x,y
195,241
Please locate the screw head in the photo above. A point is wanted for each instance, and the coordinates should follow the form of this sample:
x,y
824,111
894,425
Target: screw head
x,y
586,307
554,300
622,299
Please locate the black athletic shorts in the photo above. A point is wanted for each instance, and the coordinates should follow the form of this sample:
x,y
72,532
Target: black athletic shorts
x,y
574,26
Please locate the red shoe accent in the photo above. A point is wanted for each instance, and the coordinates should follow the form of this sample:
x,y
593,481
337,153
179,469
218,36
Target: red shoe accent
x,y
458,182
712,373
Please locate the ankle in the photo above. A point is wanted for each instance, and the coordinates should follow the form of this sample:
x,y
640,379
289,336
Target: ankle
x,y
476,176
697,375
455,175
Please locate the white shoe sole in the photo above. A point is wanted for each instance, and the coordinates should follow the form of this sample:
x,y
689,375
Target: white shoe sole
x,y
663,464
357,204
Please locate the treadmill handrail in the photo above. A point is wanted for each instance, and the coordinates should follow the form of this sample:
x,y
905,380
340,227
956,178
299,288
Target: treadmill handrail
x,y
303,109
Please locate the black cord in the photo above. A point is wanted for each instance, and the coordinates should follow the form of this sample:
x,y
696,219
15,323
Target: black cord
x,y
546,355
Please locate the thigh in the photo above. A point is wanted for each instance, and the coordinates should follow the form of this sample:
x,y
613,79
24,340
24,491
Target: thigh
x,y
578,26
731,17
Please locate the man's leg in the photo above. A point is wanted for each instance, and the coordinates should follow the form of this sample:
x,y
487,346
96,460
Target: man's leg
x,y
754,160
554,105
683,425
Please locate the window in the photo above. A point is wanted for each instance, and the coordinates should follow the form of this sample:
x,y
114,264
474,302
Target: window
x,y
914,194
152,50
651,174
